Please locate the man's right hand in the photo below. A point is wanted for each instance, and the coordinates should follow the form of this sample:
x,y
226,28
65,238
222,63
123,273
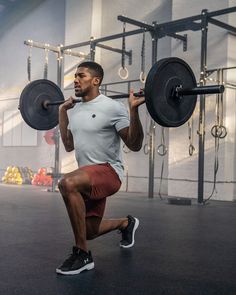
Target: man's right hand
x,y
68,104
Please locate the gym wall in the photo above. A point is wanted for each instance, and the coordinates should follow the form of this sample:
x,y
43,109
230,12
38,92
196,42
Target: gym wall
x,y
136,164
70,21
183,169
41,21
180,169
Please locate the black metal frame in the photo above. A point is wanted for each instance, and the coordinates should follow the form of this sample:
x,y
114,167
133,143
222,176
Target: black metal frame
x,y
172,29
158,31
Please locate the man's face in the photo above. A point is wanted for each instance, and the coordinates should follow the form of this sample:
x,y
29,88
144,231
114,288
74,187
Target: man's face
x,y
84,82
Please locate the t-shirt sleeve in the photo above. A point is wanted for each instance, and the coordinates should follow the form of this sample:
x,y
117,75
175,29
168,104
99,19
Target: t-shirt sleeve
x,y
121,117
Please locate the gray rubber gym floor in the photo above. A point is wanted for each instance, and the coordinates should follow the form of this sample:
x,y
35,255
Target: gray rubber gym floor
x,y
179,249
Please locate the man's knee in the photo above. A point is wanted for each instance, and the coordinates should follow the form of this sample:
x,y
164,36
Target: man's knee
x,y
79,182
66,185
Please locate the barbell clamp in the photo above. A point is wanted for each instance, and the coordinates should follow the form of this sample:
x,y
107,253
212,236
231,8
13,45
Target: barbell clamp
x,y
45,104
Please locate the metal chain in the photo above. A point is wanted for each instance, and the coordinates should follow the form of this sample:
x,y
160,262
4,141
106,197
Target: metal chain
x,y
45,70
142,76
29,58
146,147
191,147
123,72
123,47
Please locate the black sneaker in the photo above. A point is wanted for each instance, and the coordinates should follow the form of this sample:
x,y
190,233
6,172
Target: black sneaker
x,y
128,233
77,262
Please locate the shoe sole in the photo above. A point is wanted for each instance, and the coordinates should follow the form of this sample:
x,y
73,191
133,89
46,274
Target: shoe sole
x,y
134,230
77,271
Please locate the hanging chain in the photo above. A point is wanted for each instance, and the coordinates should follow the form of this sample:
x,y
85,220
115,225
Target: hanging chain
x,y
45,70
146,147
191,147
123,72
29,60
123,47
142,76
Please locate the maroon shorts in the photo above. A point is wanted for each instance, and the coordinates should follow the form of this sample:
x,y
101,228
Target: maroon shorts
x,y
105,182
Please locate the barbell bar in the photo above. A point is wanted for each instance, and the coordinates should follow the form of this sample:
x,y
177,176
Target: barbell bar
x,y
178,92
170,95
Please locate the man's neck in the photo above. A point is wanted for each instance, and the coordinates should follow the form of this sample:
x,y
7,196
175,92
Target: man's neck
x,y
91,96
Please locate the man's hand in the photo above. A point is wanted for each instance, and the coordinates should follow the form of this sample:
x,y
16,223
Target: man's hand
x,y
135,102
68,104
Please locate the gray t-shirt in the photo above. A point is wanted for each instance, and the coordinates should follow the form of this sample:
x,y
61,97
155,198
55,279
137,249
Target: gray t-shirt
x,y
94,126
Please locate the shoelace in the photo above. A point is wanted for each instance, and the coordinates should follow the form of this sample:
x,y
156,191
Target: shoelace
x,y
123,232
72,257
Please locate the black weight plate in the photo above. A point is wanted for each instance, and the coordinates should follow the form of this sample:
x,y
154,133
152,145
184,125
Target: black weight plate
x,y
166,109
31,104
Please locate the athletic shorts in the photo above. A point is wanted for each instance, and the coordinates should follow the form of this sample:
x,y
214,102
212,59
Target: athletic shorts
x,y
105,182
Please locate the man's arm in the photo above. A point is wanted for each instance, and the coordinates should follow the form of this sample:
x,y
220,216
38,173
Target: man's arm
x,y
133,135
66,135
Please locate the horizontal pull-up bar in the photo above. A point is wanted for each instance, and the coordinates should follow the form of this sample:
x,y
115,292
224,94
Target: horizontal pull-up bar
x,y
192,19
56,49
151,28
103,39
42,45
222,25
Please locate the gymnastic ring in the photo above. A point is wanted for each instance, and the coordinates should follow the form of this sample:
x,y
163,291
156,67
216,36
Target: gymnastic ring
x,y
146,149
216,131
223,132
191,149
162,149
123,73
142,77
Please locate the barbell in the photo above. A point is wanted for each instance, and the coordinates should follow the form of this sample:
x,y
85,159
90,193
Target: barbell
x,y
170,95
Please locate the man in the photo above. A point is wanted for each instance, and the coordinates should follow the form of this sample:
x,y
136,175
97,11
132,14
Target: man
x,y
94,128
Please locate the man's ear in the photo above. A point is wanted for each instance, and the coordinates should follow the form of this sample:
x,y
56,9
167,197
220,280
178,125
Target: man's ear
x,y
96,81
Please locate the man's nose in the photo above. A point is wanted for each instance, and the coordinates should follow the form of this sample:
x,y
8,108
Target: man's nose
x,y
76,80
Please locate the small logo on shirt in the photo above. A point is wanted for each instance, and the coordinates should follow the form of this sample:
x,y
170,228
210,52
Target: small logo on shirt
x,y
93,115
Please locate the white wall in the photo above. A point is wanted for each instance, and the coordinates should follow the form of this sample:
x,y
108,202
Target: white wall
x,y
182,168
136,164
71,21
41,21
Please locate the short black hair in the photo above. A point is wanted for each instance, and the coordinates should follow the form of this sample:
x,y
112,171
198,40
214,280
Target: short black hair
x,y
95,68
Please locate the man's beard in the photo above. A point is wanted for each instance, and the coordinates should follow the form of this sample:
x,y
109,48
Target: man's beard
x,y
81,93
